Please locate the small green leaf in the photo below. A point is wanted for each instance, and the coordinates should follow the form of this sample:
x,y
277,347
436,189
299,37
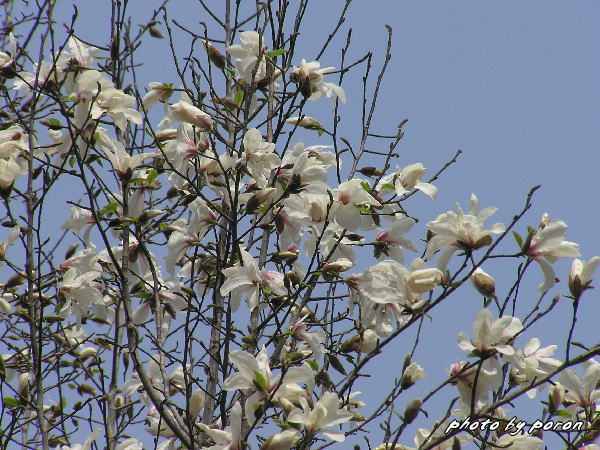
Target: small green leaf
x,y
275,53
320,131
238,97
313,365
518,238
563,413
336,363
387,187
151,176
10,402
260,381
110,208
365,186
72,161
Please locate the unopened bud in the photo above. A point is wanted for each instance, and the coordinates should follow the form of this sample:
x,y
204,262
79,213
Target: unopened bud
x,y
196,403
281,441
214,55
484,283
84,389
166,135
370,171
556,397
412,410
411,375
307,122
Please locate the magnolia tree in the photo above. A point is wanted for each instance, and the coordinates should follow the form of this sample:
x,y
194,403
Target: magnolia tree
x,y
227,286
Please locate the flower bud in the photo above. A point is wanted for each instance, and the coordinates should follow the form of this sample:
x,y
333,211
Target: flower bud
x,y
196,403
184,112
411,375
281,441
307,122
555,398
214,55
484,283
412,410
424,280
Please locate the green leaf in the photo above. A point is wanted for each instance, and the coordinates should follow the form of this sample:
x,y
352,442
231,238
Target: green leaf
x,y
238,97
336,363
10,402
260,381
518,238
563,413
320,131
72,161
110,208
387,187
151,176
313,365
278,52
365,186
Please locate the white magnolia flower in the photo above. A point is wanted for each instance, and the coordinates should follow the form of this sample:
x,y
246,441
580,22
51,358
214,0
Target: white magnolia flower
x,y
247,280
254,373
460,231
325,413
183,111
6,60
491,335
547,245
250,56
87,445
229,438
121,160
349,196
582,390
391,241
281,441
581,275
158,92
309,77
407,179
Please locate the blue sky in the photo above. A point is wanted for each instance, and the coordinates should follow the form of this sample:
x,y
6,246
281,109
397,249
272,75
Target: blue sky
x,y
515,85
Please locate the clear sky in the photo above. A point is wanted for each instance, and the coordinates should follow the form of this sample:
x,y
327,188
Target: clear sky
x,y
514,84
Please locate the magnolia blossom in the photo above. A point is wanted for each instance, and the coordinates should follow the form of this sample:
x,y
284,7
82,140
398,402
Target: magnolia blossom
x,y
229,438
184,111
158,92
250,56
281,441
7,60
491,335
488,377
546,245
309,77
391,241
349,196
254,373
533,362
581,275
121,160
582,389
404,180
249,281
175,382
80,218
259,156
325,413
313,339
87,445
457,230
